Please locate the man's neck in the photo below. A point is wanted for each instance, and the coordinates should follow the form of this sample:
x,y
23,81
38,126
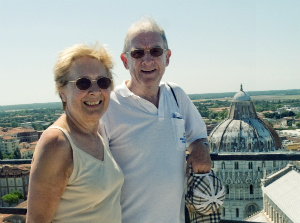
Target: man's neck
x,y
150,94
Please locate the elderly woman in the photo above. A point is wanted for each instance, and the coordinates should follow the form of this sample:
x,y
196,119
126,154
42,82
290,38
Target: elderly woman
x,y
74,177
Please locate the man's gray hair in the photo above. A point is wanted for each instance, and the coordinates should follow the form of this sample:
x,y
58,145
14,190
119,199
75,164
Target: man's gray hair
x,y
145,24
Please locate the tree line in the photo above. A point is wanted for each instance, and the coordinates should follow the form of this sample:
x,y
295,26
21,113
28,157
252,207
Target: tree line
x,y
15,118
250,93
204,107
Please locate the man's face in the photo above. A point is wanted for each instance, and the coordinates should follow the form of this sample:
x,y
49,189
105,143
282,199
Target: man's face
x,y
148,70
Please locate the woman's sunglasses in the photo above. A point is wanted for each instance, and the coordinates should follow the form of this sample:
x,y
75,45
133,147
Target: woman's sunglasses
x,y
85,83
155,52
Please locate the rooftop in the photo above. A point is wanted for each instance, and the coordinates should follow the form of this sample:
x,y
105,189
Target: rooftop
x,y
10,131
284,192
259,217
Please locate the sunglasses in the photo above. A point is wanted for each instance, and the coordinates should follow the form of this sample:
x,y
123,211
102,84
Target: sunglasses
x,y
85,83
155,52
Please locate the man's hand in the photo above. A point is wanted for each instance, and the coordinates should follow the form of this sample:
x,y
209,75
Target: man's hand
x,y
199,157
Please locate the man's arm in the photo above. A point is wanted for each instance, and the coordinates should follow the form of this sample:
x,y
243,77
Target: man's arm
x,y
199,157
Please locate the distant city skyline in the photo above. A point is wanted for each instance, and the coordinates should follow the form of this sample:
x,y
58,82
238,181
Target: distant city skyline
x,y
216,45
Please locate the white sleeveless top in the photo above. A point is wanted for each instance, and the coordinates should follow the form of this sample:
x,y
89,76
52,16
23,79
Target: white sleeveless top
x,y
93,190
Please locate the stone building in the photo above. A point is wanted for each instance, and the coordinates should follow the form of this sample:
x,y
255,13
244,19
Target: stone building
x,y
243,132
8,144
14,178
22,134
281,197
27,149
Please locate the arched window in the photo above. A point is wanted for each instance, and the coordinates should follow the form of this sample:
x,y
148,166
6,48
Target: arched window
x,y
251,189
237,214
236,165
274,163
250,147
251,209
223,165
250,165
227,189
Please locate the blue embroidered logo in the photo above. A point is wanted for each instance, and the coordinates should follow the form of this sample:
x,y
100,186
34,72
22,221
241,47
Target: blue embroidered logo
x,y
183,140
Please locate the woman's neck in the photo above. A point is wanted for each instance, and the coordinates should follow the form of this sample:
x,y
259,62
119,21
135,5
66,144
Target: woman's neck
x,y
81,126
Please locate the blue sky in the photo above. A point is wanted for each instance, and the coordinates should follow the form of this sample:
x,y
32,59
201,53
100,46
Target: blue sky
x,y
216,44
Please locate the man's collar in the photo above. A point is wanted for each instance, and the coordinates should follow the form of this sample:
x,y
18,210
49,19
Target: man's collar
x,y
123,90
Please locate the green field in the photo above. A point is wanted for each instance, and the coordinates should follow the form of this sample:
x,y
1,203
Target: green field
x,y
259,98
274,95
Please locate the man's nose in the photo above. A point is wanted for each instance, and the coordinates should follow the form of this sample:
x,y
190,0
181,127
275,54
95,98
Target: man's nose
x,y
147,57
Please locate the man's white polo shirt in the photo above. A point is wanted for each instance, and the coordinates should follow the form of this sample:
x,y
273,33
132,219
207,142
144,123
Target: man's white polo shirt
x,y
149,144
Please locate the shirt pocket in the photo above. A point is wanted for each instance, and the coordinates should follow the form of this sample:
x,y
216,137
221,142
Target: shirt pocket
x,y
179,133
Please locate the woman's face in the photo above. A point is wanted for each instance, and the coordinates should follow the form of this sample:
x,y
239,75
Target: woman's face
x,y
90,104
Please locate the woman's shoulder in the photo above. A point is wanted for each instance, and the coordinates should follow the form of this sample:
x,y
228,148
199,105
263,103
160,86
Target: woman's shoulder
x,y
54,136
52,160
53,144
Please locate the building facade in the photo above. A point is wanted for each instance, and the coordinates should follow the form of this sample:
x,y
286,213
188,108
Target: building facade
x,y
23,134
8,144
27,149
281,197
13,178
243,132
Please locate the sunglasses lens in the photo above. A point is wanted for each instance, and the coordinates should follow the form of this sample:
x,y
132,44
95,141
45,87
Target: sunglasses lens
x,y
83,83
156,52
137,53
104,82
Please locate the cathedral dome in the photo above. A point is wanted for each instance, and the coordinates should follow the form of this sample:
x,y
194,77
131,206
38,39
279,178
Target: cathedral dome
x,y
241,96
242,131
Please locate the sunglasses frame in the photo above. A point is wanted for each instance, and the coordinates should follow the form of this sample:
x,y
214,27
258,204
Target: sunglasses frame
x,y
130,52
91,82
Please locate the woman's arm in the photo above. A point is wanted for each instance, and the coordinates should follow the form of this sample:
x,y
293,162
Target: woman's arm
x,y
50,170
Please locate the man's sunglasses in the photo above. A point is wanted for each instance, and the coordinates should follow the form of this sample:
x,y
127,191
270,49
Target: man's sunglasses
x,y
85,83
155,52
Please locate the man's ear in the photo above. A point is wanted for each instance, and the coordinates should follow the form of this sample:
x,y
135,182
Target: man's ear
x,y
124,59
168,57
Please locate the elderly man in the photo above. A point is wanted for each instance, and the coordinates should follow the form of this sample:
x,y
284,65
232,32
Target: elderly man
x,y
149,125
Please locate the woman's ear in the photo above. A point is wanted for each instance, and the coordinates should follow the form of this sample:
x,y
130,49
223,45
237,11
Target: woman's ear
x,y
63,97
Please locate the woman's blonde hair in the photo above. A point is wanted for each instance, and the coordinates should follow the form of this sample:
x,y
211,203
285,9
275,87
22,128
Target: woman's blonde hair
x,y
66,57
